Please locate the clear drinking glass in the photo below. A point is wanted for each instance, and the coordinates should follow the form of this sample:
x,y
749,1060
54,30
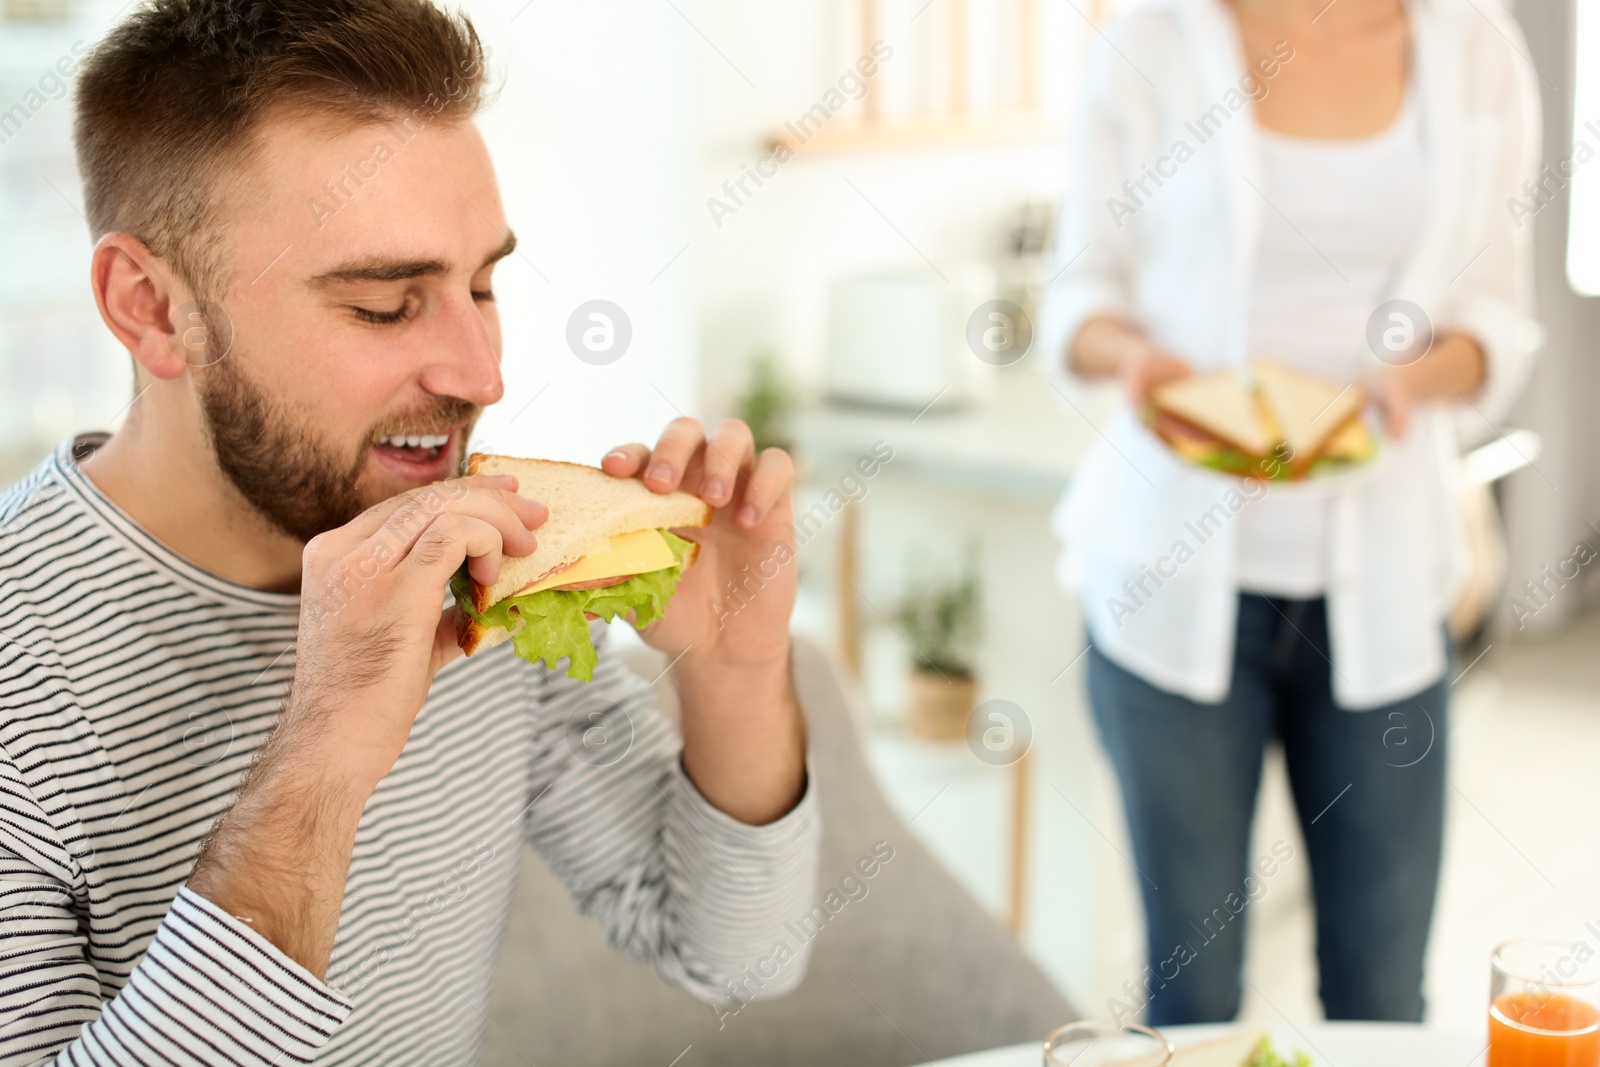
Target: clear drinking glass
x,y
1544,1005
1092,1044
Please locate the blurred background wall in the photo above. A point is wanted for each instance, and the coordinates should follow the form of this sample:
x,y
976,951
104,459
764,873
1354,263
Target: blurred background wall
x,y
1546,509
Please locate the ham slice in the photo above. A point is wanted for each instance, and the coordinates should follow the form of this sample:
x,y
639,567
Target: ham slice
x,y
1170,427
597,583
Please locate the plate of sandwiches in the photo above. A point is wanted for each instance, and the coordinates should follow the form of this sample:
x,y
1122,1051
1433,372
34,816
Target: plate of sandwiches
x,y
1267,421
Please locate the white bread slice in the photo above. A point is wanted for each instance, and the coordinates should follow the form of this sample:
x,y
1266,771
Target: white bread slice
x,y
1308,409
1221,403
587,507
473,636
1351,441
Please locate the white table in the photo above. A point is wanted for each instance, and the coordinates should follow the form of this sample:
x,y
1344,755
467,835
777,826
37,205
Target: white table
x,y
1329,1044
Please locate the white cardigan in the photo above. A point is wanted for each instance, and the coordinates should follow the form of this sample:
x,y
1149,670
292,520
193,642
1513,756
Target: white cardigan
x,y
1179,266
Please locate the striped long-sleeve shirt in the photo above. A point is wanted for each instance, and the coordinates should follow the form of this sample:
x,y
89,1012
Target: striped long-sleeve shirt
x,y
135,689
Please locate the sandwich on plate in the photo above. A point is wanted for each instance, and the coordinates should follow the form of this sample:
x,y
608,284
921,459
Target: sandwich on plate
x,y
1267,422
605,550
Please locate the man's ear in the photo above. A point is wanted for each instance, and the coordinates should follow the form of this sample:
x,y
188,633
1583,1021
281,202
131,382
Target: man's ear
x,y
137,295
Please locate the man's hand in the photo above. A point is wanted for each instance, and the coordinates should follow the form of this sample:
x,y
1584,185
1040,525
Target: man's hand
x,y
371,638
750,542
727,627
372,634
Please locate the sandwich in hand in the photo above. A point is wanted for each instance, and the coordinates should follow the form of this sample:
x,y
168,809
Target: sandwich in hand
x,y
1271,422
605,550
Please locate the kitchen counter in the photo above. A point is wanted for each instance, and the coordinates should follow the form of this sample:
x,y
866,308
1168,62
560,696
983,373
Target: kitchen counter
x,y
1022,440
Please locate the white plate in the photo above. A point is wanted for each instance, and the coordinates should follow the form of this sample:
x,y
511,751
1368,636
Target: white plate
x,y
1360,1044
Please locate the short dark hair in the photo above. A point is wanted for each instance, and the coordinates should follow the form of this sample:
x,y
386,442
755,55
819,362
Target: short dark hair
x,y
169,102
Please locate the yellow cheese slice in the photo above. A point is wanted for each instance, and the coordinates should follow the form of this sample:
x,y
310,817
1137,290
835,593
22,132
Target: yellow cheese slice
x,y
1192,450
626,554
1351,442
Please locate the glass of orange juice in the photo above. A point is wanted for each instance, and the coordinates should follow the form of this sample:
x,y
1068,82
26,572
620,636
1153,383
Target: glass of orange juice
x,y
1544,1005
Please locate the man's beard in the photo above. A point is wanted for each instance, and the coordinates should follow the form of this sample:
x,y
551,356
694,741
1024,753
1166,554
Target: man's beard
x,y
294,480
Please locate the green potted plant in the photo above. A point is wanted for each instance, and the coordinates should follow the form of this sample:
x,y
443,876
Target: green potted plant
x,y
939,619
768,404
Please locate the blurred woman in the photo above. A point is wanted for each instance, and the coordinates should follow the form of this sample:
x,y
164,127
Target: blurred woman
x,y
1263,178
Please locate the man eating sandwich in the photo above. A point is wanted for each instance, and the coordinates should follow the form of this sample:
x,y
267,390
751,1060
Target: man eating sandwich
x,y
244,755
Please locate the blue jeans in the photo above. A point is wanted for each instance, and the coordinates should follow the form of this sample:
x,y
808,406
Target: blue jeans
x,y
1368,787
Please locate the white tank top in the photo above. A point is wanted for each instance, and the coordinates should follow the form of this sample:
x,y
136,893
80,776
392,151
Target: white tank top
x,y
1339,220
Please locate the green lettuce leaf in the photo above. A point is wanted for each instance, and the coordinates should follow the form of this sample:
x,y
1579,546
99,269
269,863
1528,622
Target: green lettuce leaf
x,y
1232,461
549,625
1333,464
1265,1056
1227,460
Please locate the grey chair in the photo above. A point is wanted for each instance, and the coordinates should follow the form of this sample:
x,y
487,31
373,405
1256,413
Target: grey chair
x,y
915,970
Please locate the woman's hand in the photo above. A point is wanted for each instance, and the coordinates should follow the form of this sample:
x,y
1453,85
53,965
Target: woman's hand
x,y
1150,369
1452,368
1390,390
1107,347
